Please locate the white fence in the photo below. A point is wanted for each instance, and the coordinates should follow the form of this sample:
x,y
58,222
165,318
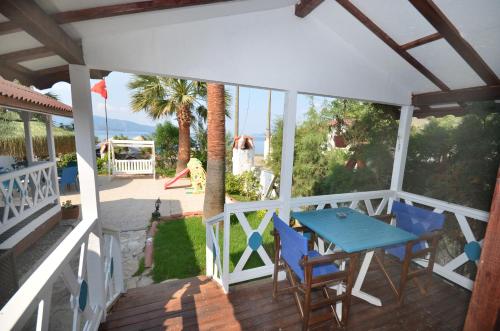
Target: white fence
x,y
460,214
133,167
372,203
24,192
96,283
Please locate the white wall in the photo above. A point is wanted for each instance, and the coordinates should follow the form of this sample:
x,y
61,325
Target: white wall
x,y
270,49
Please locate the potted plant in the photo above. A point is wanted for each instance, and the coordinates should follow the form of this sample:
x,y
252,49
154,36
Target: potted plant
x,y
70,211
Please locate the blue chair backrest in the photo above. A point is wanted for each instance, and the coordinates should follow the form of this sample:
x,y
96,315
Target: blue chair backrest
x,y
293,245
69,175
416,220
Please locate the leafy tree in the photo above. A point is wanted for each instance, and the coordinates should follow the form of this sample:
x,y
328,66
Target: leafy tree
x,y
370,130
162,96
166,138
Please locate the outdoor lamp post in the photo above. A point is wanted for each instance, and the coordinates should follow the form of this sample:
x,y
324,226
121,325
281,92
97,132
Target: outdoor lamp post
x,y
156,214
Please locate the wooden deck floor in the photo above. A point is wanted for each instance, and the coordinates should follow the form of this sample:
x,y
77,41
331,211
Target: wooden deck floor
x,y
199,304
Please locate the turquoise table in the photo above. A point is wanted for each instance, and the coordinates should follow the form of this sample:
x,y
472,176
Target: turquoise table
x,y
355,233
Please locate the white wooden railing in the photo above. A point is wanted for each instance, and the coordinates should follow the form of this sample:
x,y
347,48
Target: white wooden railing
x,y
94,285
24,192
133,167
372,203
460,214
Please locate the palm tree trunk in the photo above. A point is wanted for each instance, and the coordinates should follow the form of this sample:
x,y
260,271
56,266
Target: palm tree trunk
x,y
184,149
215,188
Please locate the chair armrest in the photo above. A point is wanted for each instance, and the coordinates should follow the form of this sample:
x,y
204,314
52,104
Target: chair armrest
x,y
329,258
386,218
428,236
302,229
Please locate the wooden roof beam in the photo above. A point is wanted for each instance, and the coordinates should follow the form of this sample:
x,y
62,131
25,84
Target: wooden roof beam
x,y
441,23
305,7
32,19
110,11
351,8
8,27
421,41
125,9
480,93
12,72
26,55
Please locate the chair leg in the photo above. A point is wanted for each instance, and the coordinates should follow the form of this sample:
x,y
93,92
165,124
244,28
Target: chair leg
x,y
276,264
307,309
275,278
404,278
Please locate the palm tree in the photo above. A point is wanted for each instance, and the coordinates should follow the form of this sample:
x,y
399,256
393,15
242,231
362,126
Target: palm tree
x,y
162,96
216,116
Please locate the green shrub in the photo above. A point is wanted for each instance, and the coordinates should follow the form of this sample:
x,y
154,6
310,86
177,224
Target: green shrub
x,y
65,160
245,185
165,172
102,165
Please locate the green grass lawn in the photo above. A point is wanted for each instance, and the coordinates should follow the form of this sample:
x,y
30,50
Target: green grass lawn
x,y
179,247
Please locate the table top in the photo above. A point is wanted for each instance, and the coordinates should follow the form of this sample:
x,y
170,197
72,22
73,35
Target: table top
x,y
356,232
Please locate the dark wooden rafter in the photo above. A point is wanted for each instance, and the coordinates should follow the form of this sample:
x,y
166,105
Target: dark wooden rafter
x,y
126,8
351,8
305,7
421,41
32,19
110,11
25,55
45,78
10,72
441,23
8,27
480,93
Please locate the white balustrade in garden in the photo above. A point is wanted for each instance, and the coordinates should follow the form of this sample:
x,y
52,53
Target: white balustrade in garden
x,y
25,191
94,285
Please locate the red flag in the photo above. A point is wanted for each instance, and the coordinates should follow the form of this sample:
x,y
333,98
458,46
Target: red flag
x,y
100,88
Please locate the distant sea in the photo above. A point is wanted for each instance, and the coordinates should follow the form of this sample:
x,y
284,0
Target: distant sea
x,y
101,135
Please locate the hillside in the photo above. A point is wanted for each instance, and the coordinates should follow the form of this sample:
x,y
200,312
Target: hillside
x,y
120,125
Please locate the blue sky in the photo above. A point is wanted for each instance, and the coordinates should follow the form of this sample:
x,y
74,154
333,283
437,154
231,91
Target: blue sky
x,y
253,104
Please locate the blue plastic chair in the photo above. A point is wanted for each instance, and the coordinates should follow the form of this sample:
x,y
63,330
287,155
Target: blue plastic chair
x,y
69,176
426,225
307,269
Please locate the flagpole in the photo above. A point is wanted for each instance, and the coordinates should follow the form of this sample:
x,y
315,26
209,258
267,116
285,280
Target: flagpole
x,y
107,133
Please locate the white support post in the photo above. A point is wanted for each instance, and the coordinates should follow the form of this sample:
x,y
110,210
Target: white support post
x,y
28,140
51,147
287,149
84,138
154,161
401,151
225,250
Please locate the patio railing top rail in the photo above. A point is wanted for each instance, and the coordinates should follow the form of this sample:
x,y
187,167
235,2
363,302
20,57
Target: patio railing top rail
x,y
25,170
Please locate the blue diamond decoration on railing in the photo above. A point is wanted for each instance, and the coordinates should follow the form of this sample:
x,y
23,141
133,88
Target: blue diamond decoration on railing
x,y
111,268
255,241
82,297
472,250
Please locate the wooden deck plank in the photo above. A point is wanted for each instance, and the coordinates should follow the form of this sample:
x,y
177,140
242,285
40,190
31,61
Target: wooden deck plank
x,y
200,304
